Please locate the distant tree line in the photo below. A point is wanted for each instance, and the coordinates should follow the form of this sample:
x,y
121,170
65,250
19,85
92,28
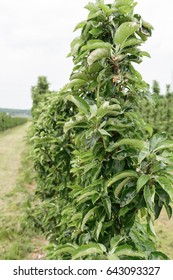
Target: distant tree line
x,y
40,93
159,114
16,112
7,121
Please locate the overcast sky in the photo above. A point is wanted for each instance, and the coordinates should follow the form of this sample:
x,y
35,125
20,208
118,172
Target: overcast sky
x,y
35,36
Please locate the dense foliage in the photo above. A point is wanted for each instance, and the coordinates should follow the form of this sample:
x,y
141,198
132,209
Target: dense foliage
x,y
102,177
6,121
160,114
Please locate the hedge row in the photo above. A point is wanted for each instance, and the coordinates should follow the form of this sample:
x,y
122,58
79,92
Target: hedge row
x,y
159,115
6,121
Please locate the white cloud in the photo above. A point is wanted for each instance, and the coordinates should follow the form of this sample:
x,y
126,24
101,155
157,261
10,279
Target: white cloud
x,y
35,36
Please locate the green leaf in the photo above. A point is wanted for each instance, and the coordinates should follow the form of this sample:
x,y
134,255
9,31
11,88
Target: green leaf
x,y
67,248
88,194
164,197
150,226
75,82
114,243
149,128
125,30
165,160
79,75
112,257
75,45
125,6
104,7
95,44
127,251
95,67
89,249
164,145
97,55
156,141
126,198
94,14
79,102
144,153
87,217
145,54
168,210
157,209
137,144
74,123
106,108
87,28
131,42
98,227
96,32
158,256
95,41
147,24
107,206
103,132
123,211
143,179
91,7
122,175
76,216
166,184
80,25
120,186
95,197
67,211
149,195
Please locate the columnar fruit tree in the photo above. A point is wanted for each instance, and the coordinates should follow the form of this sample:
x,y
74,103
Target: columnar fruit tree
x,y
102,174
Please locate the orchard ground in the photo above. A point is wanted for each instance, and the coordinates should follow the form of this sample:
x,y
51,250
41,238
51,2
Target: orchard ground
x,y
17,241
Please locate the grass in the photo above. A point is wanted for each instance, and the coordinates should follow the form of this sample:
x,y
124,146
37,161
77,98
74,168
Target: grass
x,y
17,239
164,231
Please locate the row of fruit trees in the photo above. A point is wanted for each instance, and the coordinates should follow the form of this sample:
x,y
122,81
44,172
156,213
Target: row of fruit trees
x,y
7,121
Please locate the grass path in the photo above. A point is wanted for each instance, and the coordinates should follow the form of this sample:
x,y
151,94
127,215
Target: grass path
x,y
16,241
164,231
11,147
